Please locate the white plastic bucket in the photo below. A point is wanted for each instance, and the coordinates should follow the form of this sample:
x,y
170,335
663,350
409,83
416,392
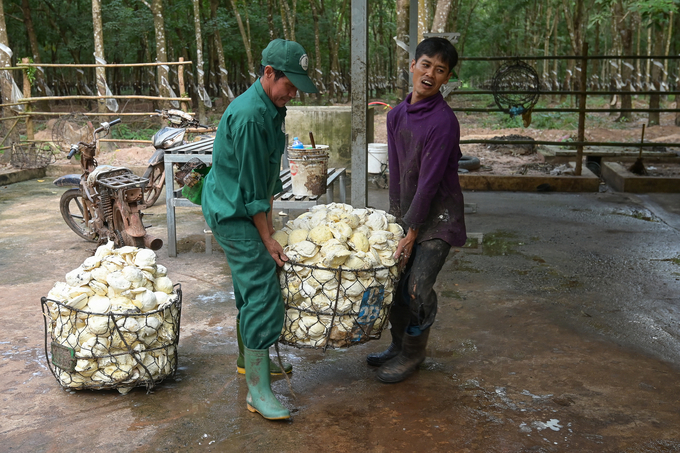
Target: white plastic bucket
x,y
377,157
308,170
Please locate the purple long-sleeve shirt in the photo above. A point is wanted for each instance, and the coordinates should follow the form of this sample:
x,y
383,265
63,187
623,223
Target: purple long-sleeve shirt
x,y
423,150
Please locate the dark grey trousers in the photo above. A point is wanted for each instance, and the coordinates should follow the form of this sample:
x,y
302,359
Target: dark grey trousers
x,y
415,287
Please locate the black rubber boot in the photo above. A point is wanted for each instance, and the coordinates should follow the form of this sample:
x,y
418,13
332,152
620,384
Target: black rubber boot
x,y
407,362
399,318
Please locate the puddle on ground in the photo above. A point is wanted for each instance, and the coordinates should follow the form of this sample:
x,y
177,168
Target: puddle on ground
x,y
500,243
452,294
463,266
637,213
466,347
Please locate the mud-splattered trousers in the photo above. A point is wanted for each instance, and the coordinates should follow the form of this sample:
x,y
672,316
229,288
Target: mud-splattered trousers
x,y
415,288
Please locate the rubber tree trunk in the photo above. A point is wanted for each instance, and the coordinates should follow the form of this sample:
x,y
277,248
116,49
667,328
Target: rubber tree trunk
x,y
100,72
246,43
5,80
441,16
41,87
292,14
317,76
199,62
163,80
624,30
655,99
270,19
402,57
5,61
288,15
221,63
546,47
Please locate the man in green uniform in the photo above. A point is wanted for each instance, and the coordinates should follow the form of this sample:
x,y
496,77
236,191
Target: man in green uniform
x,y
237,204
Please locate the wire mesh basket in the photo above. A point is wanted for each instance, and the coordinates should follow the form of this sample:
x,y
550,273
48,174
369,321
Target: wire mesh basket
x,y
31,155
516,87
115,350
337,308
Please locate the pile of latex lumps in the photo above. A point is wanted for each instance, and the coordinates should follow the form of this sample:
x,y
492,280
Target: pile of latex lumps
x,y
117,304
352,250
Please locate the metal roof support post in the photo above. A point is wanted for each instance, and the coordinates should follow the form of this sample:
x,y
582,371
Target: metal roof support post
x,y
359,74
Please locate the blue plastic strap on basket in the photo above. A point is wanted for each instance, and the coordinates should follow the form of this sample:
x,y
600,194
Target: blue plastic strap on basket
x,y
516,110
371,304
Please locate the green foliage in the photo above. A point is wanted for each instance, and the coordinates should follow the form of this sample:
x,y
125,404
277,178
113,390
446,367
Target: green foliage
x,y
123,132
30,71
501,121
554,120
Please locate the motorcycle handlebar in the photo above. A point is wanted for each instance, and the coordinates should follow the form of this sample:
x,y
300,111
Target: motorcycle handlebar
x,y
74,150
106,126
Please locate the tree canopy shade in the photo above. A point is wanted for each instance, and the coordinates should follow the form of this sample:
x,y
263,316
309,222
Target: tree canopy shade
x,y
232,34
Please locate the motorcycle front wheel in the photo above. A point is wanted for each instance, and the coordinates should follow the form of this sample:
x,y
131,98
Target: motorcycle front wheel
x,y
72,209
156,176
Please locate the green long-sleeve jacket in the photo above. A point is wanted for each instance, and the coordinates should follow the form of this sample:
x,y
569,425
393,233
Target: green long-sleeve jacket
x,y
246,165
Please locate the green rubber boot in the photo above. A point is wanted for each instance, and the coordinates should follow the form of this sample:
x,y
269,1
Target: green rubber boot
x,y
260,398
274,368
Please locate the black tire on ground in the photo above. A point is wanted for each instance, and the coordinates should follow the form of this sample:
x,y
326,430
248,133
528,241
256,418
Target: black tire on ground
x,y
155,174
469,163
72,210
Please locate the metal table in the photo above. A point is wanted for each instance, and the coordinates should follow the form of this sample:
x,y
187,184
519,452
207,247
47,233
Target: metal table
x,y
203,151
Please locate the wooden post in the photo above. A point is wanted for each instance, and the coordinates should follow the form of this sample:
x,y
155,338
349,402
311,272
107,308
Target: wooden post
x,y
27,94
582,110
180,82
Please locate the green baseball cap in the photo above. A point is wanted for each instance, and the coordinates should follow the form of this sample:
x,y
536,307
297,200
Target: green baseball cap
x,y
291,58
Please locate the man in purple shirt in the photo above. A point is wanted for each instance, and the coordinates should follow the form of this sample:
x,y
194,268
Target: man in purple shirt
x,y
423,138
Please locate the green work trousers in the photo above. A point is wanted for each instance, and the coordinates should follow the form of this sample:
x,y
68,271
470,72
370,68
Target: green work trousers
x,y
256,289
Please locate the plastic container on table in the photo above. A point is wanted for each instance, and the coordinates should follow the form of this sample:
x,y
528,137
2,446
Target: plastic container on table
x,y
297,144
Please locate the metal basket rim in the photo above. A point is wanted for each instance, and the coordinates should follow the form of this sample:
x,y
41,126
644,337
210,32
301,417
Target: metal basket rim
x,y
335,269
177,302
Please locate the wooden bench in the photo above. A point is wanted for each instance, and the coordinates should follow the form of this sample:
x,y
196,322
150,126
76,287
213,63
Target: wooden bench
x,y
202,150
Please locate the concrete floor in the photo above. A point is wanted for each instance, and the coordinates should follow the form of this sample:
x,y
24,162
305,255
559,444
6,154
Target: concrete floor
x,y
559,333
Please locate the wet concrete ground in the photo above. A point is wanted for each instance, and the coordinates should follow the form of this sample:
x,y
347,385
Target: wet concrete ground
x,y
559,333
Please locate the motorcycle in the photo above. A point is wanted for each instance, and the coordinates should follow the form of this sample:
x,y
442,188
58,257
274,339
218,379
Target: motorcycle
x,y
105,203
166,138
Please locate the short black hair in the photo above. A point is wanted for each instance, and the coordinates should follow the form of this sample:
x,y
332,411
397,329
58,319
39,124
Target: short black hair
x,y
277,74
438,47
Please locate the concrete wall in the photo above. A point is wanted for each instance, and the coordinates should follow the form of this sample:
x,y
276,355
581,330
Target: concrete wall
x,y
331,126
620,179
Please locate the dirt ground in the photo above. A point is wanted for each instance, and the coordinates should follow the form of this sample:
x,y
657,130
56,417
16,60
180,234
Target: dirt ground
x,y
558,331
